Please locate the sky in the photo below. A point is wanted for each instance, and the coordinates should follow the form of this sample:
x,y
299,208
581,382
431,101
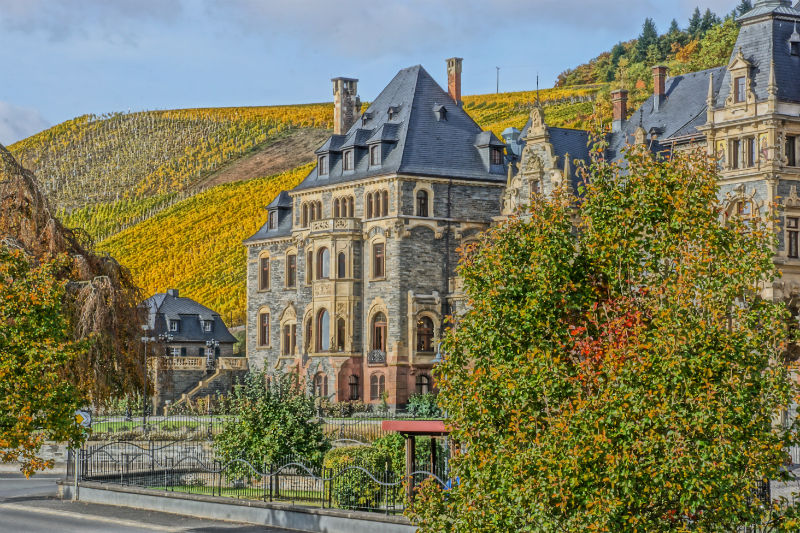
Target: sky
x,y
65,58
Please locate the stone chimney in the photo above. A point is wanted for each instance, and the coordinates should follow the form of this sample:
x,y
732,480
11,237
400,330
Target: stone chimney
x,y
619,99
454,78
346,104
659,85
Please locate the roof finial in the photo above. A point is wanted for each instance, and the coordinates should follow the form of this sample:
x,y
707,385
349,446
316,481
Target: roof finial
x,y
772,87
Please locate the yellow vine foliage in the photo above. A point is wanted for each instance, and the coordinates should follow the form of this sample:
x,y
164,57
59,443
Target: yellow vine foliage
x,y
196,245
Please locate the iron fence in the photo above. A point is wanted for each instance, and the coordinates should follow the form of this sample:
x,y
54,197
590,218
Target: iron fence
x,y
193,468
363,429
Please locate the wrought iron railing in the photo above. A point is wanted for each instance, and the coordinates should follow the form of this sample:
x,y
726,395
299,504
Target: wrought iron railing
x,y
376,357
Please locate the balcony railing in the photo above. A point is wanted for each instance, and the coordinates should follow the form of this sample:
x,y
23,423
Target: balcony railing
x,y
336,224
376,357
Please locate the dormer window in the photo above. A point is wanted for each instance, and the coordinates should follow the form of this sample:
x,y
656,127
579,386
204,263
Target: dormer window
x,y
740,86
441,112
273,220
365,118
794,48
496,155
375,156
347,160
393,111
322,166
173,326
207,325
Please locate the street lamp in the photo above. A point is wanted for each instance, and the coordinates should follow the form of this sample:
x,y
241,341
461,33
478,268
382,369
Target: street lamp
x,y
211,348
147,338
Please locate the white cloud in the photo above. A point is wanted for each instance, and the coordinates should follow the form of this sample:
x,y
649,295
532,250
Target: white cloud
x,y
16,123
60,19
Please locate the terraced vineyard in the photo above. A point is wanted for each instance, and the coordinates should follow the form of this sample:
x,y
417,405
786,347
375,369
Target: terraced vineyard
x,y
196,244
131,181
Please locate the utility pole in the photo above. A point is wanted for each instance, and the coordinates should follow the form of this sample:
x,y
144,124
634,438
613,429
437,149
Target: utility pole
x,y
498,80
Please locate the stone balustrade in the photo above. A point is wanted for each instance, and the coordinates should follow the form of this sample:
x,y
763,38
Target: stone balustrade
x,y
232,363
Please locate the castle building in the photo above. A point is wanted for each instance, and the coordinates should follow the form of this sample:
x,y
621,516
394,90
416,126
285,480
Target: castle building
x,y
352,275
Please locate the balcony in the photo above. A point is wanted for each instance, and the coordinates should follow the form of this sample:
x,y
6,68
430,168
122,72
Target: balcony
x,y
376,357
336,225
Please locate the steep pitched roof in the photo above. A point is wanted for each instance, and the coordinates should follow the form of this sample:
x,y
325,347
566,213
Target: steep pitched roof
x,y
164,306
764,38
415,141
681,111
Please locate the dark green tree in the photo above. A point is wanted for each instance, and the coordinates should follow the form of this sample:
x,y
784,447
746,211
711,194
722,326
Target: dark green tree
x,y
648,38
695,23
710,20
744,7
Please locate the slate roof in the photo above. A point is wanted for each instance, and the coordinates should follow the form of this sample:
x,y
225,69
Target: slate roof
x,y
681,111
765,40
566,141
765,7
164,306
283,200
414,141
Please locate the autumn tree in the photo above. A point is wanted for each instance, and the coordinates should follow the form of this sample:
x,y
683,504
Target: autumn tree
x,y
618,368
37,403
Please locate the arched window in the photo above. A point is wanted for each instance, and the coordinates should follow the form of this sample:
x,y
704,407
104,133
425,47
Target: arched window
x,y
320,385
263,328
340,334
379,332
313,211
323,331
273,220
291,270
385,204
323,263
341,266
377,385
378,260
424,334
354,388
263,273
319,210
323,165
423,384
351,207
422,203
287,340
304,218
369,205
309,330
336,208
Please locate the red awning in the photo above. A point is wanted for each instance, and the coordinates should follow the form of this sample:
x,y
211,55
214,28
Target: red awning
x,y
431,428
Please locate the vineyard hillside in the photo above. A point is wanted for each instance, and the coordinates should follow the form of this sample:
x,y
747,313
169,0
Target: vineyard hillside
x,y
172,194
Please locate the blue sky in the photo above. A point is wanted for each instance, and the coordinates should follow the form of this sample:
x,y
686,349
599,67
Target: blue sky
x,y
64,58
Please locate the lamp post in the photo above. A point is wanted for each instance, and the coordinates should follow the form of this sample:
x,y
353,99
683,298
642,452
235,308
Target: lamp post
x,y
212,344
145,339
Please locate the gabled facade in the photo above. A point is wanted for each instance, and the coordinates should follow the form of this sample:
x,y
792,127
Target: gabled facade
x,y
350,279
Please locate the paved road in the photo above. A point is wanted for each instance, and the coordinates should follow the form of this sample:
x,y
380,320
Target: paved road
x,y
31,506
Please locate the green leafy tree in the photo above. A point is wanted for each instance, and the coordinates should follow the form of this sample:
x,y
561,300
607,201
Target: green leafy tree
x,y
37,403
618,369
715,48
273,419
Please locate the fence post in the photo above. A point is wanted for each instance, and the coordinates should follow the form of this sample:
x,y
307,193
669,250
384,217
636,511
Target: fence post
x,y
219,481
330,488
271,470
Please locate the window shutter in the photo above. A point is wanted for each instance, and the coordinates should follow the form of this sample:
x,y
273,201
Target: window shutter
x,y
183,352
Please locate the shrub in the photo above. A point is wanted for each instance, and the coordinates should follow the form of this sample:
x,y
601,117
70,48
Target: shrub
x,y
273,419
354,489
424,406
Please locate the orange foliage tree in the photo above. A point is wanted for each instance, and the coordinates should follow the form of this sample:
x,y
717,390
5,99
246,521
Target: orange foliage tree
x,y
37,403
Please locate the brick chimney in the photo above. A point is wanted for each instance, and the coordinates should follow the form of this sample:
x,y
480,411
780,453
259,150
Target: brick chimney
x,y
454,78
346,104
659,85
619,99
